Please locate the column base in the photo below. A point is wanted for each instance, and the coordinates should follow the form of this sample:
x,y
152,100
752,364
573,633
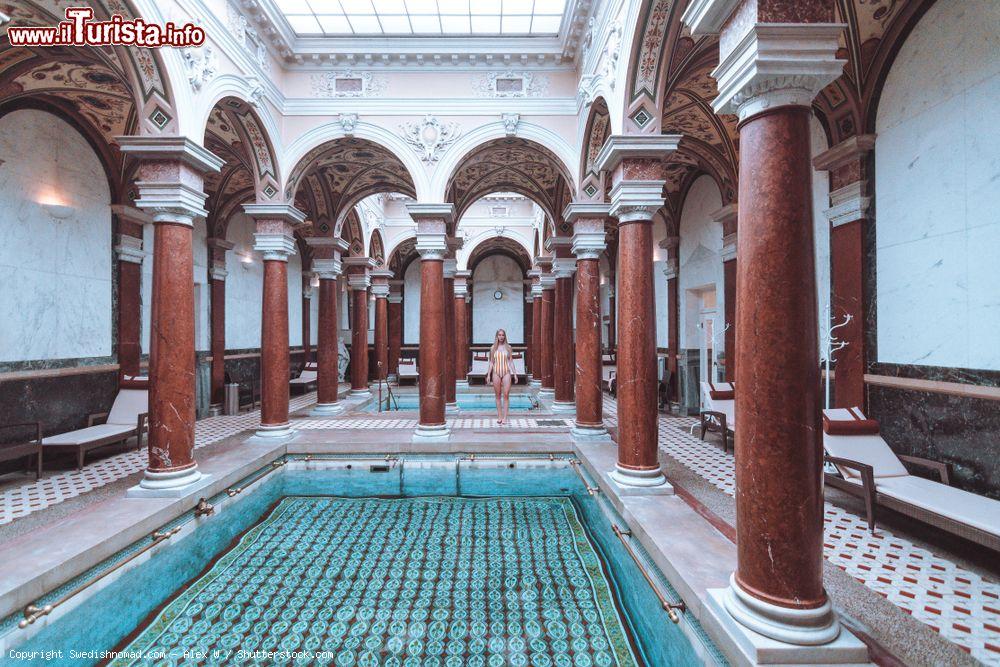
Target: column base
x,y
361,393
327,409
802,627
170,484
275,430
462,384
590,432
546,391
756,648
563,406
535,383
640,481
451,408
215,409
435,433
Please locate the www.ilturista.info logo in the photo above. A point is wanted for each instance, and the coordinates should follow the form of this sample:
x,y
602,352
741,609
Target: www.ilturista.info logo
x,y
79,29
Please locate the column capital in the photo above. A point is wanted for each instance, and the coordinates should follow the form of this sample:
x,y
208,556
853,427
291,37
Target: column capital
x,y
217,273
129,249
556,243
777,64
563,267
845,153
285,213
433,212
395,298
728,253
132,214
327,268
380,283
623,147
636,201
431,245
328,247
577,210
588,245
358,282
274,246
543,263
848,204
450,268
546,281
174,147
380,290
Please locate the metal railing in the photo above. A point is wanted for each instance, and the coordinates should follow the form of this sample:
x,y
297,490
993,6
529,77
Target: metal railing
x,y
390,399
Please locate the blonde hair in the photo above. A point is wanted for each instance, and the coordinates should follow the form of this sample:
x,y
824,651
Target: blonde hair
x,y
496,342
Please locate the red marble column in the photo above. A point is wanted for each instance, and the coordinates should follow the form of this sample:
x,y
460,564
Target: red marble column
x,y
170,178
547,329
536,334
433,221
638,463
218,334
529,343
729,290
451,399
395,315
588,243
380,289
327,348
432,343
562,336
461,329
275,241
612,312
130,256
359,336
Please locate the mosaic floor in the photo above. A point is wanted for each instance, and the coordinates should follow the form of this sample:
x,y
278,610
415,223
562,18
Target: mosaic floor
x,y
416,581
962,606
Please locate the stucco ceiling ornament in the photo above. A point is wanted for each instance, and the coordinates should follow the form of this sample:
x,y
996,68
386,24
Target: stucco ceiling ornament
x,y
347,83
429,137
256,94
510,123
511,84
348,121
201,65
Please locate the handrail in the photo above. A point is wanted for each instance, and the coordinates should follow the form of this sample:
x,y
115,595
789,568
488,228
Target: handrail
x,y
237,490
575,464
388,388
670,607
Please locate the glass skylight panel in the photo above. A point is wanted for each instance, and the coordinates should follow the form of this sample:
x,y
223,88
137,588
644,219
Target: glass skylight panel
x,y
342,18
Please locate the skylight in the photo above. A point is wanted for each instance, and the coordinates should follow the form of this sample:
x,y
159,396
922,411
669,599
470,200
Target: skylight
x,y
340,18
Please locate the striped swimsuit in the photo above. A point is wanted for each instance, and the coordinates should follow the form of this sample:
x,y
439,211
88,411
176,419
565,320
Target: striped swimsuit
x,y
501,363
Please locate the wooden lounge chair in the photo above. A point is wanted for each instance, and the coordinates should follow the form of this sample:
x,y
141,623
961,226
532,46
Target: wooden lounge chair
x,y
609,379
24,446
718,413
308,376
407,371
480,364
517,365
870,470
127,418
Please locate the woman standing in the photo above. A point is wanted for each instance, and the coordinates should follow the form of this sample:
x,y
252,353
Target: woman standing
x,y
501,373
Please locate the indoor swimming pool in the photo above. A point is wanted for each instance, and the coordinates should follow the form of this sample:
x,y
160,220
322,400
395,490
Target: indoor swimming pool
x,y
469,402
410,561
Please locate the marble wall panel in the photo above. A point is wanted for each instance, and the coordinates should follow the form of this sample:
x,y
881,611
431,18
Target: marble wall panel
x,y
411,304
492,274
55,272
244,286
700,261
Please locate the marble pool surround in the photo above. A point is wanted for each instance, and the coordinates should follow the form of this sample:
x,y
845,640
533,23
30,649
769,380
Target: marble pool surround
x,y
92,535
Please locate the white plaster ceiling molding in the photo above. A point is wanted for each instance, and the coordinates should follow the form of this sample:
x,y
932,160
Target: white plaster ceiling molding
x,y
511,84
347,83
605,69
510,123
430,137
201,64
247,36
320,48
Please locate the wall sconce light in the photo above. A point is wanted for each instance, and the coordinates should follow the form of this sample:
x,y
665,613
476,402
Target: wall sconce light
x,y
498,295
58,211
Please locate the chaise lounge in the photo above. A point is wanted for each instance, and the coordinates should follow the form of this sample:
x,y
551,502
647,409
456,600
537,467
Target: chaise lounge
x,y
407,371
127,418
718,414
24,447
480,364
308,376
870,470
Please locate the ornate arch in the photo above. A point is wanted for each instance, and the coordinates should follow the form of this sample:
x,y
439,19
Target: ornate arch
x,y
376,249
596,133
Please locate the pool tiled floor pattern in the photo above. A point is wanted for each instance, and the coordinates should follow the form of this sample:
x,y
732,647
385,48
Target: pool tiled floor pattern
x,y
961,605
415,581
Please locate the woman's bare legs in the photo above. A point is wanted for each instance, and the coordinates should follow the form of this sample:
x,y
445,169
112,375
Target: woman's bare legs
x,y
497,392
506,397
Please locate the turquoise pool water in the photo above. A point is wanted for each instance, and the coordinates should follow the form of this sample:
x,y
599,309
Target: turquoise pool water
x,y
420,561
470,402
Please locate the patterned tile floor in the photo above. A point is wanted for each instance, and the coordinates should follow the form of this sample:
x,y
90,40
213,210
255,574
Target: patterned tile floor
x,y
20,500
961,605
419,581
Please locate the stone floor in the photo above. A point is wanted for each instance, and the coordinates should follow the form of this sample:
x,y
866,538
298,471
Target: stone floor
x,y
964,607
960,604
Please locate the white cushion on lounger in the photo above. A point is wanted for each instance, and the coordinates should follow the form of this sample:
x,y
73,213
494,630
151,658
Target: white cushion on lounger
x,y
129,404
969,508
726,407
306,377
89,434
479,367
517,365
869,449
